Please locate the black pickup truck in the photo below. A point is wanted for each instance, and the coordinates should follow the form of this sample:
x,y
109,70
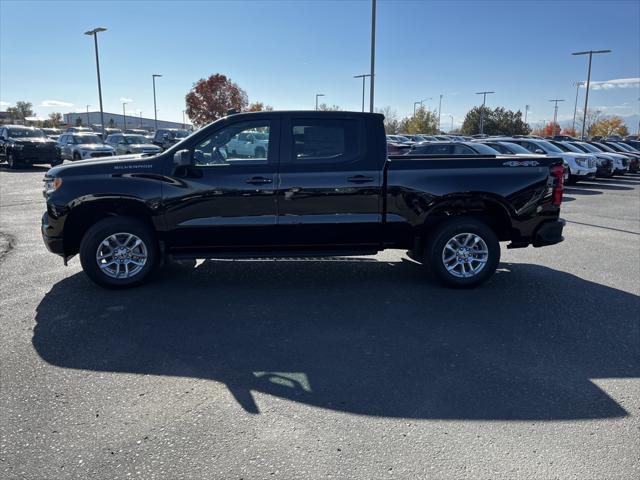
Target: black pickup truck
x,y
21,146
323,186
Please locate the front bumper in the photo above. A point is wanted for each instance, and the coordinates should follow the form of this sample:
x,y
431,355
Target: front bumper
x,y
549,233
54,244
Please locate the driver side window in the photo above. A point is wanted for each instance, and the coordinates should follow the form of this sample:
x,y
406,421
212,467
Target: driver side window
x,y
245,143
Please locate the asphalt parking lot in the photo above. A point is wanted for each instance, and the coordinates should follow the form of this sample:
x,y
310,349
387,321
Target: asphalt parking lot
x,y
343,368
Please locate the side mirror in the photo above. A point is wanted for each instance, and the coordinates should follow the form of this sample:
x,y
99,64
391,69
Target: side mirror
x,y
182,158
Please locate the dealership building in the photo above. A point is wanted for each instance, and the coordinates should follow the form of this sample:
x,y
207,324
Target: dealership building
x,y
117,120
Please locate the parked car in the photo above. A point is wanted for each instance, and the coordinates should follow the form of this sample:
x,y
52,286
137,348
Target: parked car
x,y
137,131
252,144
632,143
622,166
81,146
509,148
618,162
167,137
52,133
604,163
21,146
580,168
124,144
452,148
394,148
632,153
325,187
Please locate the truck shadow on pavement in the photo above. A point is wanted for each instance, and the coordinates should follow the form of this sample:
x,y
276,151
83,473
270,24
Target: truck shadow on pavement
x,y
364,337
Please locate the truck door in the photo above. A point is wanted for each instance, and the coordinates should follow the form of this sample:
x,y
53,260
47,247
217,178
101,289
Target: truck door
x,y
224,199
330,181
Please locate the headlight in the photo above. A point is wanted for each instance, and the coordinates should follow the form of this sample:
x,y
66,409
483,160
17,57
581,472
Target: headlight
x,y
18,146
581,161
51,185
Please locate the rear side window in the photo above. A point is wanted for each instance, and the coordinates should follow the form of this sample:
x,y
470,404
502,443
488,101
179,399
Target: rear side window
x,y
327,141
462,150
433,149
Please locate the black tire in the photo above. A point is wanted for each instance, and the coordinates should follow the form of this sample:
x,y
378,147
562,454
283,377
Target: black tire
x,y
448,230
76,156
260,153
12,162
56,163
104,229
572,179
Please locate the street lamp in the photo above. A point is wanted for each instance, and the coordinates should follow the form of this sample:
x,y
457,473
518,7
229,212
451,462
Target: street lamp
x,y
124,115
575,107
88,124
420,103
155,109
439,111
586,97
363,76
451,123
555,115
318,95
184,125
526,111
94,33
484,100
373,52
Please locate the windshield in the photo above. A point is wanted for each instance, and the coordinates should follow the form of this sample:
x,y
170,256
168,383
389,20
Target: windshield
x,y
136,139
604,147
571,147
87,139
587,147
550,147
515,148
25,133
626,148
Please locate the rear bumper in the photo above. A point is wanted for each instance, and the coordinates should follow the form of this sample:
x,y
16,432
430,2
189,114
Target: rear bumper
x,y
54,244
549,233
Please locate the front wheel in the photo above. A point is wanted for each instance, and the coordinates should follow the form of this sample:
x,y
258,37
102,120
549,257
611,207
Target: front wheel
x,y
12,162
119,252
463,252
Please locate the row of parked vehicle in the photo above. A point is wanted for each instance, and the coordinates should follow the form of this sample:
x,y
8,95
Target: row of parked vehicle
x,y
582,159
22,146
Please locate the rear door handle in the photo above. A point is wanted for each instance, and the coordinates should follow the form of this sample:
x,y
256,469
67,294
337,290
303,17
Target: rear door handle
x,y
258,180
360,179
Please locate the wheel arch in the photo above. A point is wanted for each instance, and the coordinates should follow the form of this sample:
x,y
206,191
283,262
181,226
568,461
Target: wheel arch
x,y
86,214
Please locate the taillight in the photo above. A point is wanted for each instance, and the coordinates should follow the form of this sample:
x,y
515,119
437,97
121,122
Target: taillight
x,y
558,172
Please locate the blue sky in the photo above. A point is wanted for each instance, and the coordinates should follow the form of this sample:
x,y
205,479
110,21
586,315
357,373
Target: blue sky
x,y
284,52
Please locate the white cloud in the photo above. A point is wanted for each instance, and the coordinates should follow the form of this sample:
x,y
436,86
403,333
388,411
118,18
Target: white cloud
x,y
126,100
55,103
4,104
615,83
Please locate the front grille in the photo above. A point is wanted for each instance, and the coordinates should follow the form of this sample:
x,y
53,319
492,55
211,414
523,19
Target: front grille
x,y
592,163
100,154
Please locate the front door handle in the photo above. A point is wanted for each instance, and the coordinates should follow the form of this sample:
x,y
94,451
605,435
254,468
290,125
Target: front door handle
x,y
360,179
258,180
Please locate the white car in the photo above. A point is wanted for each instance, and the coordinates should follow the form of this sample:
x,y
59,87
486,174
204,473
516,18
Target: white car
x,y
582,166
82,146
126,143
249,144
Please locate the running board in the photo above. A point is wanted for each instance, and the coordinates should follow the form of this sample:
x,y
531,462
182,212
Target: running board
x,y
269,255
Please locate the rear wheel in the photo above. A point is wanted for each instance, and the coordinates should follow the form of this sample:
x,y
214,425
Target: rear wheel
x,y
119,252
463,252
76,156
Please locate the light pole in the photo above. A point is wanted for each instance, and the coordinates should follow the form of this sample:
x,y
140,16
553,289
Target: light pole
x,y
451,123
94,33
414,107
555,115
484,100
363,76
586,96
420,103
318,95
373,53
575,107
88,115
439,111
184,125
124,115
526,111
140,111
155,109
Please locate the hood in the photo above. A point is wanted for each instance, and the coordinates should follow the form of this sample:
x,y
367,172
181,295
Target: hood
x,y
32,140
134,163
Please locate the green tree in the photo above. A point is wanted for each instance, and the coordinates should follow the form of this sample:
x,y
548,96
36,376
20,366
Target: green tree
x,y
21,111
259,107
326,108
112,123
78,122
613,125
422,121
498,121
55,119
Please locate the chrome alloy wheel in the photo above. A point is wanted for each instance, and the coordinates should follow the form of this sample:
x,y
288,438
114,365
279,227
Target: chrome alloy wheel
x,y
121,255
465,255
